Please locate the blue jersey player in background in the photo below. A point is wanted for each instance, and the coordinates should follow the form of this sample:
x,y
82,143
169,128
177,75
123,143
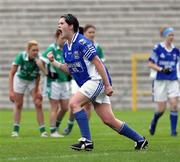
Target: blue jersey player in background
x,y
82,62
164,64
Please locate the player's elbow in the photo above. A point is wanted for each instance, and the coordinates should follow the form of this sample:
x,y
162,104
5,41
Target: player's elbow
x,y
150,64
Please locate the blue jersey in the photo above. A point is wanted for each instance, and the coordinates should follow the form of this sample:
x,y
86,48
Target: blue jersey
x,y
166,58
78,56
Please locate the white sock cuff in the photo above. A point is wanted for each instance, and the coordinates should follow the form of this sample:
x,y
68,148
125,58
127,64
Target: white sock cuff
x,y
41,126
15,124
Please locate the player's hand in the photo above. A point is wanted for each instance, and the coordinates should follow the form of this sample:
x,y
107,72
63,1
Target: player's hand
x,y
166,71
50,56
108,90
11,96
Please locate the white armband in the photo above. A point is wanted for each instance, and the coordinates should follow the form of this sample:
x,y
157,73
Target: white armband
x,y
56,64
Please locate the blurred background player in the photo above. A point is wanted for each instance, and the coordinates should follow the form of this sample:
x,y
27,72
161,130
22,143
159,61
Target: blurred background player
x,y
91,75
89,32
57,85
24,75
164,63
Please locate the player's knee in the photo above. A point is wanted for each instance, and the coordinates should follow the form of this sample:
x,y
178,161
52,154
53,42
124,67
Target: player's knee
x,y
64,109
19,106
38,104
73,105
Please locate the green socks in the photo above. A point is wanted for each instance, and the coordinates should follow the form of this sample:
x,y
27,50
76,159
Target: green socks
x,y
42,128
16,128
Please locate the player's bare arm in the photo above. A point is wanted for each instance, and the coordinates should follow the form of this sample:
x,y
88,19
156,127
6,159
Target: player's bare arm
x,y
11,77
41,66
55,63
37,89
101,70
154,66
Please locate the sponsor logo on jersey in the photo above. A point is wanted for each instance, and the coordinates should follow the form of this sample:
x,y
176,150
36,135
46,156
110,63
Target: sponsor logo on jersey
x,y
162,55
76,55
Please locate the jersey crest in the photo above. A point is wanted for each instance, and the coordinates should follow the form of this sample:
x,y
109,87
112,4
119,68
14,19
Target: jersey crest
x,y
82,41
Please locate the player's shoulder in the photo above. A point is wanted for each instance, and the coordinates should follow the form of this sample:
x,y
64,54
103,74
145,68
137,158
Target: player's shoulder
x,y
96,44
82,40
175,48
52,46
21,54
157,45
19,58
158,48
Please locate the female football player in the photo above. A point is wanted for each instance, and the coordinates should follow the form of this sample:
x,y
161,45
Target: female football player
x,y
89,32
164,63
24,75
91,75
57,87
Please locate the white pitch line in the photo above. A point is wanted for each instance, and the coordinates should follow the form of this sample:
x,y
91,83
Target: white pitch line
x,y
56,157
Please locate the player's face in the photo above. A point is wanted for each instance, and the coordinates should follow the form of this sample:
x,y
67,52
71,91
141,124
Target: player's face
x,y
170,37
33,52
90,33
64,27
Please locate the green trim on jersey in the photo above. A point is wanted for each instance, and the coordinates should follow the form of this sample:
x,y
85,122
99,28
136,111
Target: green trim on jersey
x,y
28,69
57,52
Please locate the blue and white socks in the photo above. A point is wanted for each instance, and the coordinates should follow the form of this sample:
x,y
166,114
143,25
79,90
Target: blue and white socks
x,y
173,120
82,120
130,133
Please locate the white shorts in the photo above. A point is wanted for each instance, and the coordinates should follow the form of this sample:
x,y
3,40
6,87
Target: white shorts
x,y
59,91
21,85
94,90
74,86
164,89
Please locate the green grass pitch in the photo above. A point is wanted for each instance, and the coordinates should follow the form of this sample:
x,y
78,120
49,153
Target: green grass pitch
x,y
109,146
